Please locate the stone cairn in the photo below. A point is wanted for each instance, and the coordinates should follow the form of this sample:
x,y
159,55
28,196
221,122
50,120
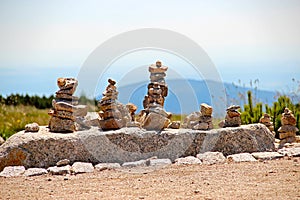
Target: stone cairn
x,y
232,118
154,117
266,120
113,114
200,120
288,130
65,109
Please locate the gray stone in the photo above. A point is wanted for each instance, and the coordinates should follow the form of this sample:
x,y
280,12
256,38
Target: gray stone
x,y
34,127
104,166
60,170
44,149
295,152
35,172
154,121
63,162
12,171
189,160
160,162
82,167
201,126
1,140
140,163
267,155
60,125
211,158
241,157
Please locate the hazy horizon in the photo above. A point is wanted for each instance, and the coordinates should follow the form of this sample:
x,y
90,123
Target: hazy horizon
x,y
245,40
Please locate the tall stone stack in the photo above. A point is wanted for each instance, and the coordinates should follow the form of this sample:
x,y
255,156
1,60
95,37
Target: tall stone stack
x,y
233,117
266,120
288,130
154,117
113,114
65,109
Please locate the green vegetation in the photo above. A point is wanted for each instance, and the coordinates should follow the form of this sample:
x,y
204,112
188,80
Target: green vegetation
x,y
14,118
252,113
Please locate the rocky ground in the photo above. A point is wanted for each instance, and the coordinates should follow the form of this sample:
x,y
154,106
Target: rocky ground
x,y
271,179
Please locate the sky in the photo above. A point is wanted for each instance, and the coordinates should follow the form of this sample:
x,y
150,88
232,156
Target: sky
x,y
245,39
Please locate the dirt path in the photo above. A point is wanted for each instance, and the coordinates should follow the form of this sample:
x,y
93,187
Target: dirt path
x,y
278,179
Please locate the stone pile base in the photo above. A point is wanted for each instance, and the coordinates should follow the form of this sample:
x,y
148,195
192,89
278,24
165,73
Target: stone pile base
x,y
44,149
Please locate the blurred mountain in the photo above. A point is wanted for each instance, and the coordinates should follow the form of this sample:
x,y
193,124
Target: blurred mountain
x,y
185,96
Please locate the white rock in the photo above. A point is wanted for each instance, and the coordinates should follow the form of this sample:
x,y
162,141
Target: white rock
x,y
35,172
295,152
140,163
241,157
12,171
59,170
211,158
160,162
82,167
267,155
104,166
34,127
189,160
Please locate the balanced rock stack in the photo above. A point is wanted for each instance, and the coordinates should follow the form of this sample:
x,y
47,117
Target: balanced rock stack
x,y
65,107
113,115
233,117
266,120
288,130
205,120
200,120
154,117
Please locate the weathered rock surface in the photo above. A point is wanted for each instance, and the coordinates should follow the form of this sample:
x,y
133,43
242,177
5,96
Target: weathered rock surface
x,y
210,158
82,167
35,172
267,155
189,160
44,149
295,152
60,170
241,157
12,171
104,166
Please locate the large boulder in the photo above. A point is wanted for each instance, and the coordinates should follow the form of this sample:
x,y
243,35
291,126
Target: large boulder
x,y
44,149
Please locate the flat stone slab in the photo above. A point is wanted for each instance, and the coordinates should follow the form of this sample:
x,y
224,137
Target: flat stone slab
x,y
139,163
60,170
12,171
210,158
189,160
44,149
160,162
104,166
35,172
295,152
267,155
241,157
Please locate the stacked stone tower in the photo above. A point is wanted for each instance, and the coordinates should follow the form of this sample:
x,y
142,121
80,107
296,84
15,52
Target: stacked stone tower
x,y
154,117
232,118
288,130
266,120
113,114
65,107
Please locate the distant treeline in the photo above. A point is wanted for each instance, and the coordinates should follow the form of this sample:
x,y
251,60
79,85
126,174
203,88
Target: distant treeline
x,y
37,101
